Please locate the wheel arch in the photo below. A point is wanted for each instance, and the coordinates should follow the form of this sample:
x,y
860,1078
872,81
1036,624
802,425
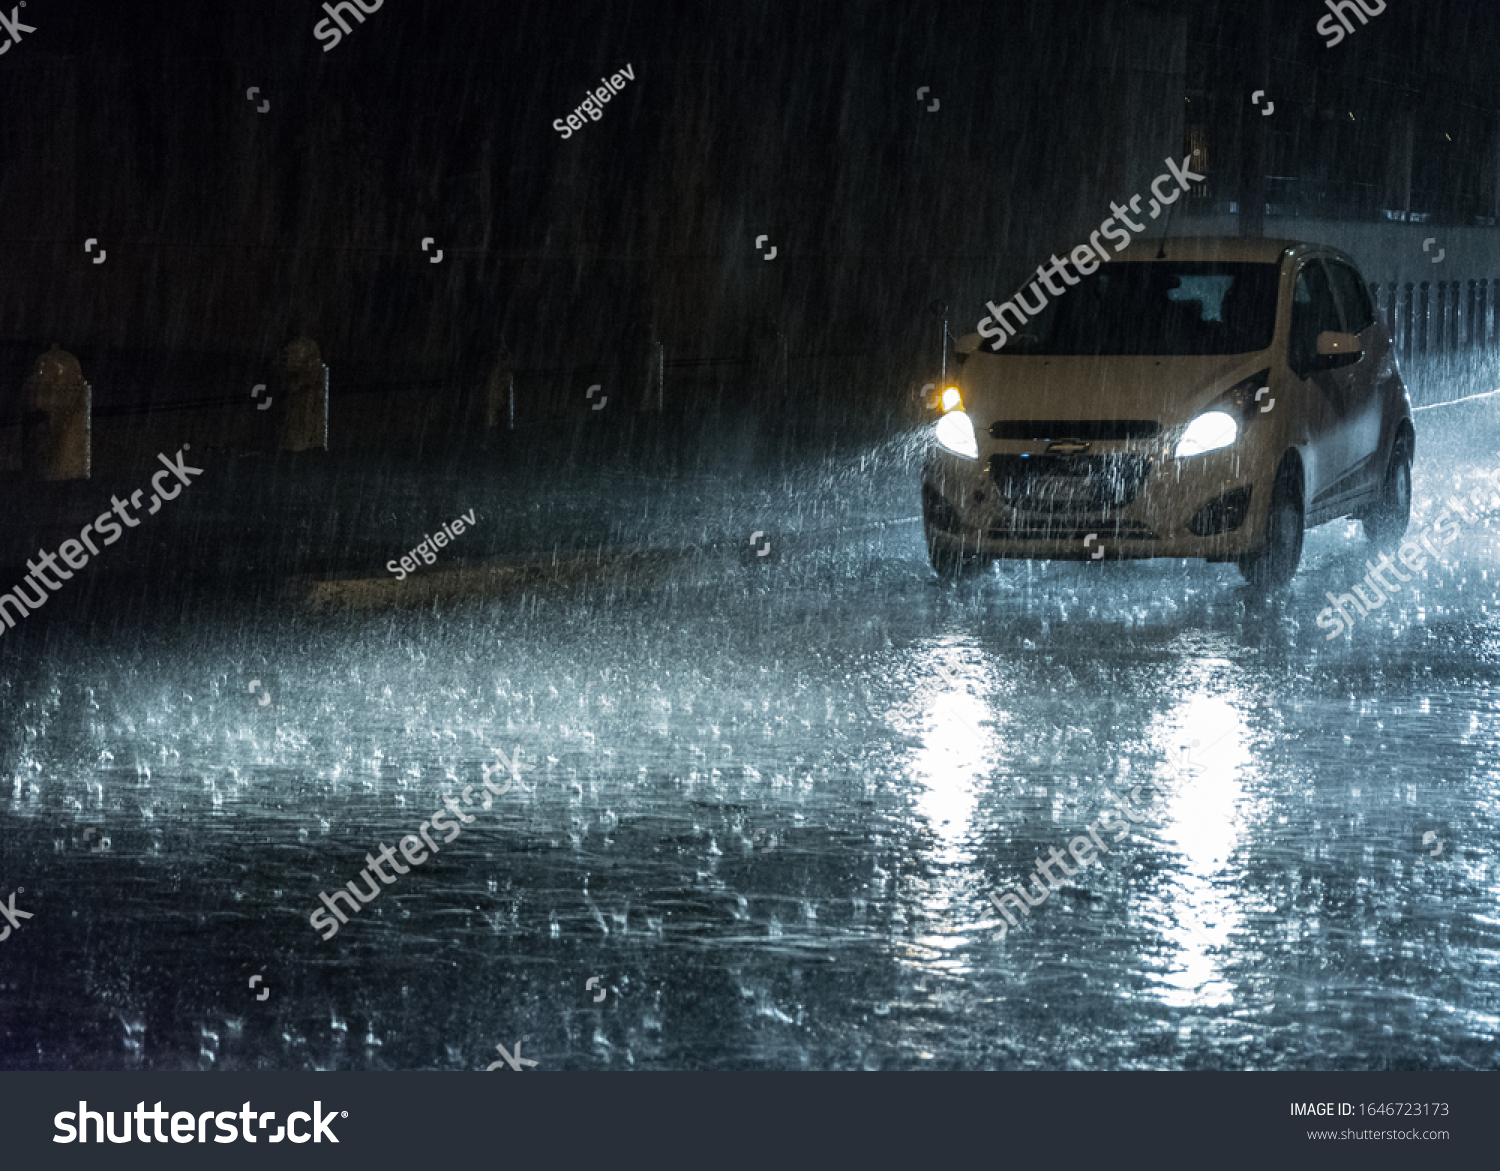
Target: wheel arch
x,y
1405,436
1292,464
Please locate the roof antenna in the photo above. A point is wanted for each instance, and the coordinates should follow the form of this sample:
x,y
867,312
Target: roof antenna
x,y
1161,251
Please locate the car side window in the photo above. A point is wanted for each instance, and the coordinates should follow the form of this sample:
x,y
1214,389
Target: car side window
x,y
1313,311
1353,297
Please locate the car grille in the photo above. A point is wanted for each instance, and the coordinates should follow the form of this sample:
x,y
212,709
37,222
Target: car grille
x,y
1091,430
1066,530
1053,484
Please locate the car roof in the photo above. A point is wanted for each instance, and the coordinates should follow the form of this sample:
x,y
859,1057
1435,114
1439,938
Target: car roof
x,y
1229,249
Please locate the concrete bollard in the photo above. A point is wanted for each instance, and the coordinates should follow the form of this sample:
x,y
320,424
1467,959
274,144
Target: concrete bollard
x,y
652,360
770,366
57,429
304,383
500,393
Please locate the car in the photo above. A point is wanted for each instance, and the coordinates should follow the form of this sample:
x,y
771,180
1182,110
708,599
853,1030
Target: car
x,y
1206,397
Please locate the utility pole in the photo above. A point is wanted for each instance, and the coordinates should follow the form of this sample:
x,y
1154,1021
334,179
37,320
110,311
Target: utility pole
x,y
1257,77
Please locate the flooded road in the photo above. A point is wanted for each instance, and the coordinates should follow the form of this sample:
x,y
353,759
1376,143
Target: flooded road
x,y
756,806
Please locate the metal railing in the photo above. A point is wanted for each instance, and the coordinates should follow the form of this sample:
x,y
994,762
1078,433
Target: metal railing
x,y
1438,317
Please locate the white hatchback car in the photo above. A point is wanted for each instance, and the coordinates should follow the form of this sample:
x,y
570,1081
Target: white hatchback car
x,y
1206,397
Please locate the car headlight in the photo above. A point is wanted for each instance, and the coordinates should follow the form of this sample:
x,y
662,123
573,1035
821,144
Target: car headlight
x,y
954,432
1208,432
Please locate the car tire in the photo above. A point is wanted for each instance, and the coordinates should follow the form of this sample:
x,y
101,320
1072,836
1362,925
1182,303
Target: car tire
x,y
1386,523
1274,564
955,566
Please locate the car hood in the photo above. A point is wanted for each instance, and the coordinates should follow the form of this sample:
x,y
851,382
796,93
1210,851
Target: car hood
x,y
1168,390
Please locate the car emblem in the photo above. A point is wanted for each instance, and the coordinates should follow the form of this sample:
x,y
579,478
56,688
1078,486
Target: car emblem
x,y
1068,447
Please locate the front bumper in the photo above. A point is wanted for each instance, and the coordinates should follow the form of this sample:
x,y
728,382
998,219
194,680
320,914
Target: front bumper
x,y
1121,501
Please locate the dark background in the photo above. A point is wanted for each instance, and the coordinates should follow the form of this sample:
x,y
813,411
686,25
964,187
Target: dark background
x,y
223,226
608,617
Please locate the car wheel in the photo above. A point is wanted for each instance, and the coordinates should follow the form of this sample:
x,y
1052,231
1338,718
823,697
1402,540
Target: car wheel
x,y
1386,523
952,565
1273,565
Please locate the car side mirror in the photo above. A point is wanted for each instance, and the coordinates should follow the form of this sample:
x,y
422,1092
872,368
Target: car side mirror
x,y
1337,349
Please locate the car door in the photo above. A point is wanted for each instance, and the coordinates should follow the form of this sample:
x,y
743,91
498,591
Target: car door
x,y
1363,407
1323,397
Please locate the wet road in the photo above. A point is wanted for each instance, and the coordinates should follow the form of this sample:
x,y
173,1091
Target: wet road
x,y
770,797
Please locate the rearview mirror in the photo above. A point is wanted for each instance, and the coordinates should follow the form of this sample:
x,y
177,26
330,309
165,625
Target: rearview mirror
x,y
1337,349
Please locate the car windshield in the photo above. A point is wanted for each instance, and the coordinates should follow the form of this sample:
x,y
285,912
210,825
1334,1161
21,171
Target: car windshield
x,y
1157,308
